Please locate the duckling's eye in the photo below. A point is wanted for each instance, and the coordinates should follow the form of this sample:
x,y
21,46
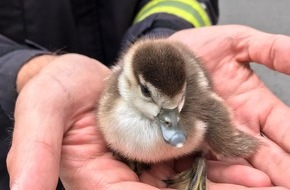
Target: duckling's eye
x,y
145,91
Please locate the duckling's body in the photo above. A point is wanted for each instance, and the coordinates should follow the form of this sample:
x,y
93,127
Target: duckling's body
x,y
159,105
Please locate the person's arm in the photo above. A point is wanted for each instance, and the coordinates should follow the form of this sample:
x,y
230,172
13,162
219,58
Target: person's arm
x,y
162,18
12,57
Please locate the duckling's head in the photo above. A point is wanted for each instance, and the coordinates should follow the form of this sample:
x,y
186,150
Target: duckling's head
x,y
153,82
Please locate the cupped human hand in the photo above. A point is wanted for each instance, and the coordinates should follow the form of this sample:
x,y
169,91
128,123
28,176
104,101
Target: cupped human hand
x,y
56,131
226,52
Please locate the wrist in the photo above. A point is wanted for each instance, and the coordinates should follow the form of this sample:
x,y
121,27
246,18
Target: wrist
x,y
32,68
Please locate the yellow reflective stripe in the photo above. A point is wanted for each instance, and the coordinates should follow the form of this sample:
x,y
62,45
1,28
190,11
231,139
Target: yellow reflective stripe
x,y
195,5
149,5
175,11
189,10
183,7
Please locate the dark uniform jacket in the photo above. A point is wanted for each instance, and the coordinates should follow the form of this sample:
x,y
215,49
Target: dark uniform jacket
x,y
96,28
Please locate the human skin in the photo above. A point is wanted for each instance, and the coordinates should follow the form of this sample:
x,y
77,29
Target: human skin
x,y
227,52
56,132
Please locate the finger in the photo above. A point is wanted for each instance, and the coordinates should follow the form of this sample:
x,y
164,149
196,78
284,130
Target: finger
x,y
33,161
269,116
273,160
225,186
248,45
275,125
275,49
221,172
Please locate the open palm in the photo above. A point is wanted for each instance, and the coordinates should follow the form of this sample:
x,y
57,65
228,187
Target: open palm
x,y
226,52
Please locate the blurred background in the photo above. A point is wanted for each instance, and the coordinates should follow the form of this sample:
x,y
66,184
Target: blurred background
x,y
267,15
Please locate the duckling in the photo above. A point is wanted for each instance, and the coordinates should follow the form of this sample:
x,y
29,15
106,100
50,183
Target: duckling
x,y
159,104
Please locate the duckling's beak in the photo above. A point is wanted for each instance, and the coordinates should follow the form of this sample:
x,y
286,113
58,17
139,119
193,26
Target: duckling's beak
x,y
168,120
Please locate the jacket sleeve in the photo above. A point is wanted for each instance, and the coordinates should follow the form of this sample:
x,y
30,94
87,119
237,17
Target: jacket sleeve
x,y
12,57
164,17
